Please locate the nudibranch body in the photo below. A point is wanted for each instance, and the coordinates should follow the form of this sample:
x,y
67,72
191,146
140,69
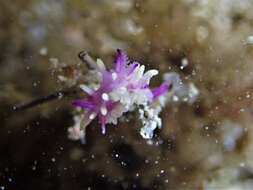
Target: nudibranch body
x,y
121,89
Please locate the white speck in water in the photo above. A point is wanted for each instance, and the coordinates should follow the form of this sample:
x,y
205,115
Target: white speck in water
x,y
150,142
60,95
43,51
35,84
185,99
250,40
53,159
175,98
184,63
242,110
54,62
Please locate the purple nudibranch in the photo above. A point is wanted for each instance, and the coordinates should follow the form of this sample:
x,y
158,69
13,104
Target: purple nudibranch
x,y
121,89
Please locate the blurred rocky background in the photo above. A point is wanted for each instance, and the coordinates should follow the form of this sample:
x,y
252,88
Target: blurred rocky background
x,y
207,144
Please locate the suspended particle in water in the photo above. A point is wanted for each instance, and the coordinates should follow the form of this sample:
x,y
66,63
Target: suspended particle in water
x,y
43,51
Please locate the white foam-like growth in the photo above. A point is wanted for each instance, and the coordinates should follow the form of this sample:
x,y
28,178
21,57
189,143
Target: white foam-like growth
x,y
116,113
130,99
120,94
150,119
